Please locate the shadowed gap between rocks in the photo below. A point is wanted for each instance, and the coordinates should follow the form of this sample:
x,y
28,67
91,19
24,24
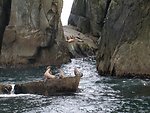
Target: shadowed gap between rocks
x,y
106,11
5,8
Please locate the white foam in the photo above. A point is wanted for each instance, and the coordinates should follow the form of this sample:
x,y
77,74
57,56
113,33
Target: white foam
x,y
12,90
14,95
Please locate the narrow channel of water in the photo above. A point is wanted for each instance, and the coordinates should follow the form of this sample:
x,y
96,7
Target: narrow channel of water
x,y
96,94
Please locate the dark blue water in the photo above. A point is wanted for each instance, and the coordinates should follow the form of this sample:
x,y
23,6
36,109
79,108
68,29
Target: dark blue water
x,y
96,94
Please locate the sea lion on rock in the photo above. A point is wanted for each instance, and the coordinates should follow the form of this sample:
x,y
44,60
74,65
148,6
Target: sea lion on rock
x,y
77,72
48,74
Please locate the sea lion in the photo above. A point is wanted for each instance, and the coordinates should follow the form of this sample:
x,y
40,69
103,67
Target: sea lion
x,y
48,73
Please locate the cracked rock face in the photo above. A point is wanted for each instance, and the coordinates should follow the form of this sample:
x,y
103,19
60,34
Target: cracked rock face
x,y
125,41
33,34
88,15
49,87
124,30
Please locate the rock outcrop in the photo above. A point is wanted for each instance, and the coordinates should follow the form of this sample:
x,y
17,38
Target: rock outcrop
x,y
125,41
5,89
49,87
83,45
88,15
123,28
34,34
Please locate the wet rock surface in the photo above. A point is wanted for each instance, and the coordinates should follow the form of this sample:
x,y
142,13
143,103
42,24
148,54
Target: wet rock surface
x,y
49,87
83,45
123,28
5,89
124,44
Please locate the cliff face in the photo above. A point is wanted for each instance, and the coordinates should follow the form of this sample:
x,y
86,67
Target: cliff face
x,y
88,15
4,17
124,35
34,33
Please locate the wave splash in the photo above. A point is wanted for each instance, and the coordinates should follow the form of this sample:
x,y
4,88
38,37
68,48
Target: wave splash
x,y
12,93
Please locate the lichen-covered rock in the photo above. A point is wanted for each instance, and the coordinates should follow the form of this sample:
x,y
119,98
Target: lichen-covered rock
x,y
34,34
125,41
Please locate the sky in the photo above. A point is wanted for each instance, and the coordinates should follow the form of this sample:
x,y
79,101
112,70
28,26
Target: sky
x,y
67,4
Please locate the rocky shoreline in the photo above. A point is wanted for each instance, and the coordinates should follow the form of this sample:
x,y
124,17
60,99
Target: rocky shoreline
x,y
116,31
123,29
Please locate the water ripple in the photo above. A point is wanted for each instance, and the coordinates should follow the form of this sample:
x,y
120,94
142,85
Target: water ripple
x,y
96,94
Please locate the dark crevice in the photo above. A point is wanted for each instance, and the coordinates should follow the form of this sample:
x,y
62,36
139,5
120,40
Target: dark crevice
x,y
113,73
5,8
105,13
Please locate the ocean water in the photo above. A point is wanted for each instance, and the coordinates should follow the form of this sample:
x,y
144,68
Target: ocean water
x,y
96,94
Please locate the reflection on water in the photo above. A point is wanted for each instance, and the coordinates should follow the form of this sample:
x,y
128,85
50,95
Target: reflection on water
x,y
96,94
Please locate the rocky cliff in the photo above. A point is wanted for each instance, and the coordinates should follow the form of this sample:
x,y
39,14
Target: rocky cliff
x,y
88,15
34,33
4,17
123,28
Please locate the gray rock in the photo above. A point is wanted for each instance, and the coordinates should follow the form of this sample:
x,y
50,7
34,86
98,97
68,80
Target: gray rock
x,y
33,33
124,45
93,13
124,30
49,87
83,45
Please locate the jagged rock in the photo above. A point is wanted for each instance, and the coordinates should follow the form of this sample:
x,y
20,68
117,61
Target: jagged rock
x,y
49,87
88,15
5,89
83,45
124,45
34,34
124,30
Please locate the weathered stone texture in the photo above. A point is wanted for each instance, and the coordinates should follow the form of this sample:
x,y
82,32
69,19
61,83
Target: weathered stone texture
x,y
124,30
83,45
125,41
34,33
49,87
4,17
88,15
